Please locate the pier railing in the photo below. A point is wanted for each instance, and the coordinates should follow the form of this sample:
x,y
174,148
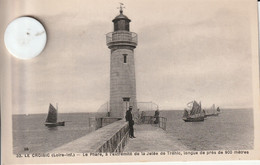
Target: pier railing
x,y
150,120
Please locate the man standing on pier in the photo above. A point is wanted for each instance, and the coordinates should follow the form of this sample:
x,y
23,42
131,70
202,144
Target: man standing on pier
x,y
131,122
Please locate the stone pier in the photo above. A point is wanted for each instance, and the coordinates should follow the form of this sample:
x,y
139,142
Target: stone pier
x,y
115,138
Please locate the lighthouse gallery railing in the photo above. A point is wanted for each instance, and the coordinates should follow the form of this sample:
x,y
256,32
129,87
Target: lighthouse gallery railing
x,y
121,36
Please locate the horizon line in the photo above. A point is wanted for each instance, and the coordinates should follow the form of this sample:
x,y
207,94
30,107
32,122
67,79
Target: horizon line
x,y
245,108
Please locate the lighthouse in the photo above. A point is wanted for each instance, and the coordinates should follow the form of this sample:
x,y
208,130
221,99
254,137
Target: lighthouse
x,y
122,43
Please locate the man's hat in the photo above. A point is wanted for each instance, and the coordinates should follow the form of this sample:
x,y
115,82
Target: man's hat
x,y
130,106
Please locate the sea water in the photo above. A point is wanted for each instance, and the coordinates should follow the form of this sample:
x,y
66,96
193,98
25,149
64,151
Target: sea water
x,y
231,130
30,135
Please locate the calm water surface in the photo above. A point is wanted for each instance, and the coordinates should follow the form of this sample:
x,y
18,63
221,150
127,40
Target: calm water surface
x,y
30,131
232,129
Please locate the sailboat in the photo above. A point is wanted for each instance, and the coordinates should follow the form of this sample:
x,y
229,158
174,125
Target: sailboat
x,y
51,120
214,113
196,114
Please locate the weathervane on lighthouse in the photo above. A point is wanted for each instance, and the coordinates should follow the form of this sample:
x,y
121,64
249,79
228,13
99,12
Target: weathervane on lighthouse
x,y
121,7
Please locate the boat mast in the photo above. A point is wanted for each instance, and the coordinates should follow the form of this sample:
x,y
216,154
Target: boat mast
x,y
57,109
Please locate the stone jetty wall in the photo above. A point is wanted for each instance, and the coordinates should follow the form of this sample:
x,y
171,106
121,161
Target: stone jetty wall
x,y
117,142
110,138
99,122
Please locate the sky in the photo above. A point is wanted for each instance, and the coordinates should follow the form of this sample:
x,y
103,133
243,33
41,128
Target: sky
x,y
186,51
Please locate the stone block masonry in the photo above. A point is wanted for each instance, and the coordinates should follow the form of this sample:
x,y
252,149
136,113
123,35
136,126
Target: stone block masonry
x,y
122,81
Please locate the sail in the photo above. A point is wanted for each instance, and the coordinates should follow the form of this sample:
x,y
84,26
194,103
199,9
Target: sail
x,y
52,115
203,112
198,111
213,107
195,108
186,113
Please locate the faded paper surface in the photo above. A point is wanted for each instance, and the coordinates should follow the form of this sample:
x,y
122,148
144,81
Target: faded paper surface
x,y
203,50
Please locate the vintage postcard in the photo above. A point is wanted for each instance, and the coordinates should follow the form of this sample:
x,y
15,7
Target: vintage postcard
x,y
130,81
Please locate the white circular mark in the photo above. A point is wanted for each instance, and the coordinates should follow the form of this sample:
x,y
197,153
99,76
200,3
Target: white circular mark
x,y
25,38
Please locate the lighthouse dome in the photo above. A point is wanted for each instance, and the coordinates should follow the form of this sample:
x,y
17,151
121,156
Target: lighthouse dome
x,y
121,22
121,16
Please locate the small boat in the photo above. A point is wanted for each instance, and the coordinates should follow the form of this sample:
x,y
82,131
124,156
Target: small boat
x,y
194,119
214,113
51,120
196,114
218,110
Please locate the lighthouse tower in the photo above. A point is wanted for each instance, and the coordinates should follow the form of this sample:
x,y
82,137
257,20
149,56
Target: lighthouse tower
x,y
122,43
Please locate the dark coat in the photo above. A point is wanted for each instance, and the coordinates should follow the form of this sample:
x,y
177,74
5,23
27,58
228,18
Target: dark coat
x,y
129,117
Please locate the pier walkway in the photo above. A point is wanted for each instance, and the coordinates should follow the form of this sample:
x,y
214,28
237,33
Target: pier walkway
x,y
114,138
152,138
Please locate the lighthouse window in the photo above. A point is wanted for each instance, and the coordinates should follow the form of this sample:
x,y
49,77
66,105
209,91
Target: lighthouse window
x,y
127,26
125,58
121,25
115,26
